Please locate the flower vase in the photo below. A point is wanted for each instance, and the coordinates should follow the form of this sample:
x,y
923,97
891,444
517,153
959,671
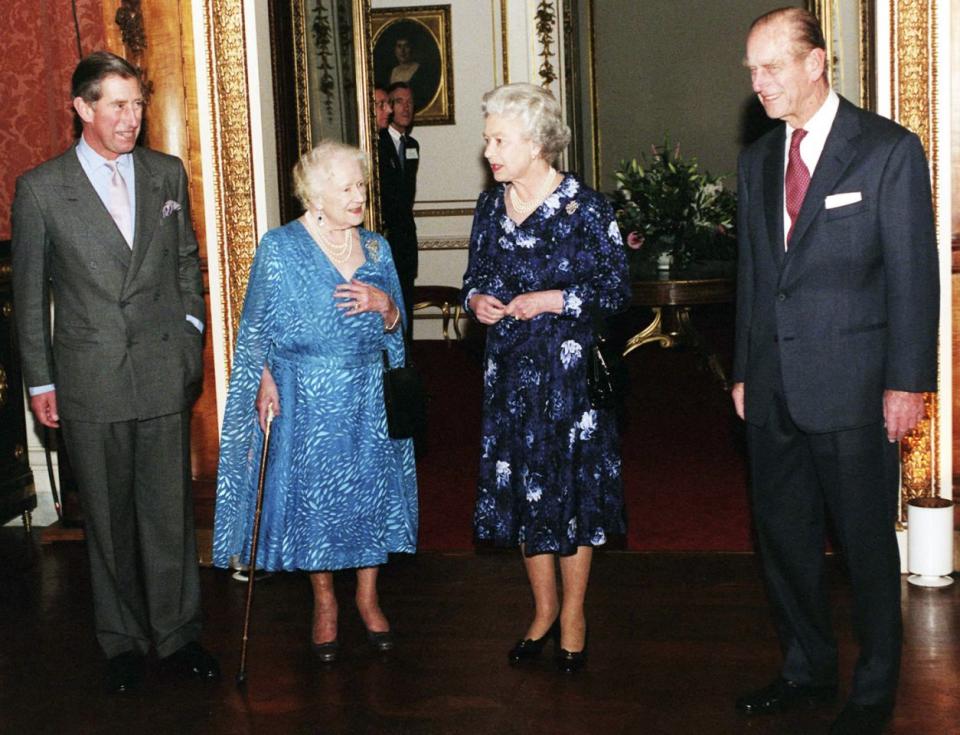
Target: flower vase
x,y
664,261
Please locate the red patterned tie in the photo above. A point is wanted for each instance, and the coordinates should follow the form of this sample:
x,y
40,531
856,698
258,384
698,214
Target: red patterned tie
x,y
797,181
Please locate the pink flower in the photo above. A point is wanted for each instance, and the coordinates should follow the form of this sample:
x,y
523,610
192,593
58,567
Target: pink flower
x,y
635,240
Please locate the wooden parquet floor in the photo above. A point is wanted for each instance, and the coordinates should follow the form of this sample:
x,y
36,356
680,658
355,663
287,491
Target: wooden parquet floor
x,y
673,639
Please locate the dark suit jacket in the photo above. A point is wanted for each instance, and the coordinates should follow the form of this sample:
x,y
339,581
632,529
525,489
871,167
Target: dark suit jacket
x,y
398,190
122,348
851,310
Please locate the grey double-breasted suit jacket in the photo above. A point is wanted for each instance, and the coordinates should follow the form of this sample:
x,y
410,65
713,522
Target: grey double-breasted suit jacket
x,y
120,347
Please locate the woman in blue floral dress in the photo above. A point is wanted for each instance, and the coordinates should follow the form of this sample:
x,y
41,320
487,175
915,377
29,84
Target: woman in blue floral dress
x,y
323,301
546,263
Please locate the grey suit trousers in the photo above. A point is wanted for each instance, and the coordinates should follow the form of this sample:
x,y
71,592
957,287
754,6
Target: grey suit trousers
x,y
134,480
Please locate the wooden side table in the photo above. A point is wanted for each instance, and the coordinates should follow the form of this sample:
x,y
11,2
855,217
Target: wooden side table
x,y
671,295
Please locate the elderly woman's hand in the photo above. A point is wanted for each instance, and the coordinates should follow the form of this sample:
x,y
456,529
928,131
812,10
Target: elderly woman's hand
x,y
267,396
535,303
360,297
488,309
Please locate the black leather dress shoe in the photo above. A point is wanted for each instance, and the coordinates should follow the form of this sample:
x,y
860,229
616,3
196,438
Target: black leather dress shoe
x,y
325,653
124,673
531,648
192,661
382,641
781,695
862,719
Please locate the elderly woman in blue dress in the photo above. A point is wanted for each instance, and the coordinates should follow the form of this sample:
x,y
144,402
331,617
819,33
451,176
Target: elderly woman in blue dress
x,y
323,301
546,265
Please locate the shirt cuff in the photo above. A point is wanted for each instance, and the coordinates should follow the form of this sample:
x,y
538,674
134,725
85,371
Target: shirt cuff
x,y
37,390
195,322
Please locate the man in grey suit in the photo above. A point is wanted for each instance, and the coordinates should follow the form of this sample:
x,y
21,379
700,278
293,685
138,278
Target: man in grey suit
x,y
836,342
104,229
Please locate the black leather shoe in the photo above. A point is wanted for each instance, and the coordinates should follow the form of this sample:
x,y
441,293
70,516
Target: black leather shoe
x,y
862,719
382,641
325,653
191,661
570,662
124,673
531,648
781,695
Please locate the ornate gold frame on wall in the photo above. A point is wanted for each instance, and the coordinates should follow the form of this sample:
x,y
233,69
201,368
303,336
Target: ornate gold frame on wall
x,y
830,14
232,176
914,40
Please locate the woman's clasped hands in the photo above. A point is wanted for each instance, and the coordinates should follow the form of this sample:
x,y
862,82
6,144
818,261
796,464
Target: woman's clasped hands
x,y
490,310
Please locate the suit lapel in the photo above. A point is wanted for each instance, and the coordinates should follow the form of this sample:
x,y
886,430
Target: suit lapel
x,y
773,195
837,154
83,204
149,205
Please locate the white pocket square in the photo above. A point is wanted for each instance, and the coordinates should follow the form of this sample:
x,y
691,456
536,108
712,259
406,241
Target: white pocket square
x,y
842,200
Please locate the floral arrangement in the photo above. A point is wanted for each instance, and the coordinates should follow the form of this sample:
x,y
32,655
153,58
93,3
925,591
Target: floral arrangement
x,y
667,206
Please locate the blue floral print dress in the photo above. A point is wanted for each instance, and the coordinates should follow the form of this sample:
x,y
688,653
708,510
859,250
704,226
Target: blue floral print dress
x,y
550,462
339,492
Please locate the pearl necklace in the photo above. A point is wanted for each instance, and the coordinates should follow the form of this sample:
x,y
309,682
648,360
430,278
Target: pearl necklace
x,y
526,207
339,254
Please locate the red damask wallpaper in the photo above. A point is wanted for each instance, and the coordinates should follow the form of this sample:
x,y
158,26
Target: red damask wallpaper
x,y
40,52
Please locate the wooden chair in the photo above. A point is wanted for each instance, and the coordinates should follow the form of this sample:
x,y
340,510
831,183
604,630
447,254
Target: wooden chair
x,y
445,298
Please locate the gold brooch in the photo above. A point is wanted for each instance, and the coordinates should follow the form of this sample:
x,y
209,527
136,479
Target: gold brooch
x,y
572,207
374,248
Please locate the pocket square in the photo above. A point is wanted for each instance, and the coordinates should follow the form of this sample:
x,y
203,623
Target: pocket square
x,y
169,208
842,200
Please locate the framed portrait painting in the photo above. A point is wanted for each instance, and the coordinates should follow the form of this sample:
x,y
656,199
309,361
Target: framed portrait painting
x,y
412,45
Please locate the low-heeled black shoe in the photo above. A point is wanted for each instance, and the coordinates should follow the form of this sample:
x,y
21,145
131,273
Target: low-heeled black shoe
x,y
529,648
325,653
191,661
862,719
781,695
570,662
124,673
382,641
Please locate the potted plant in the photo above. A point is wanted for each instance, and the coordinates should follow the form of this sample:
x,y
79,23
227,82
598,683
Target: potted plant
x,y
672,213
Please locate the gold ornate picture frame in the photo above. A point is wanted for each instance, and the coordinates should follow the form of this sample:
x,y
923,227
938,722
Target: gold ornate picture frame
x,y
412,45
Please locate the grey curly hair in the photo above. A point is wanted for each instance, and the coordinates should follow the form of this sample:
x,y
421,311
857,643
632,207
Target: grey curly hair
x,y
537,110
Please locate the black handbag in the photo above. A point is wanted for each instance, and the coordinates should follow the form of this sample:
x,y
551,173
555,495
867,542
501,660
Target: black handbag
x,y
405,400
601,385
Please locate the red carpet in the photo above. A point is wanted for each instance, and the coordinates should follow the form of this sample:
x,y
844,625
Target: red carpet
x,y
684,461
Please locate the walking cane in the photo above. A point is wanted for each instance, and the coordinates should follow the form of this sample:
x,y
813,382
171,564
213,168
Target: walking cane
x,y
252,567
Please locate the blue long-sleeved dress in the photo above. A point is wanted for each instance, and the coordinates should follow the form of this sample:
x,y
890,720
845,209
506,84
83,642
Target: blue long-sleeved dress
x,y
550,462
339,492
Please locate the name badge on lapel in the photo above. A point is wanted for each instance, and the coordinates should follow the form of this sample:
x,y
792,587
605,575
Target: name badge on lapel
x,y
412,153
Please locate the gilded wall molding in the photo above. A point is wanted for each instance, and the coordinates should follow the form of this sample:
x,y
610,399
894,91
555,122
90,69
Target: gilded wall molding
x,y
545,20
232,177
913,79
444,243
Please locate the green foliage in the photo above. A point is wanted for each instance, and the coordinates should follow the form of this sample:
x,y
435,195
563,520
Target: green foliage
x,y
665,204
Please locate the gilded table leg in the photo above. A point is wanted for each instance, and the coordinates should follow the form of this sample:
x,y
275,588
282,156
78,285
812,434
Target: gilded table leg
x,y
28,521
690,336
653,332
445,311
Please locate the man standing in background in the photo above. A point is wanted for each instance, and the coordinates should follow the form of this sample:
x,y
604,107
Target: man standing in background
x,y
105,230
837,308
399,161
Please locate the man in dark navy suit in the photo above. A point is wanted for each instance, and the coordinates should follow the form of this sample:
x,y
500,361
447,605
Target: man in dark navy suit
x,y
837,311
399,161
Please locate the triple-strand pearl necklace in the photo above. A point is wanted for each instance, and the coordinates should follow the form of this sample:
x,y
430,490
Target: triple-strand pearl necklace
x,y
526,207
339,254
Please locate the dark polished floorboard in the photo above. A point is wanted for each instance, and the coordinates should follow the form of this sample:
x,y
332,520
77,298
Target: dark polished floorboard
x,y
673,639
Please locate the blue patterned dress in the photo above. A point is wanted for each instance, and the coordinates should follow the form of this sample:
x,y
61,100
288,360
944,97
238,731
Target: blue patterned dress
x,y
550,463
339,492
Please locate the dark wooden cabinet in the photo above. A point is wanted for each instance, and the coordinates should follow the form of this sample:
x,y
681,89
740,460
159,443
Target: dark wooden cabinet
x,y
17,496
